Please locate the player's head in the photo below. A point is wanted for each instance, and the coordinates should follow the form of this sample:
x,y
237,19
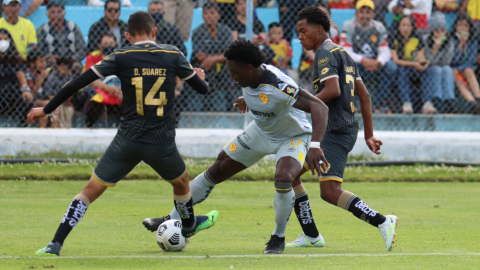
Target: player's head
x,y
243,60
313,26
140,23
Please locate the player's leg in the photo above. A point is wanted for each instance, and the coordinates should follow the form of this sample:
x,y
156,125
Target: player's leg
x,y
310,237
337,146
290,158
238,154
119,159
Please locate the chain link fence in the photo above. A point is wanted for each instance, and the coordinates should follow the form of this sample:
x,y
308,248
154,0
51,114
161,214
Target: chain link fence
x,y
421,69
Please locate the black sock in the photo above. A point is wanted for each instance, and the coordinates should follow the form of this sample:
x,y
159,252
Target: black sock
x,y
304,215
362,211
74,214
185,209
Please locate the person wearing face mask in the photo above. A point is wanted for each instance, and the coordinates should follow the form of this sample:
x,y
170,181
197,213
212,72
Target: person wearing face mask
x,y
105,94
167,33
15,95
59,37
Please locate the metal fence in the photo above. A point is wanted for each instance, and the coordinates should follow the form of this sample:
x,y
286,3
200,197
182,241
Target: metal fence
x,y
416,67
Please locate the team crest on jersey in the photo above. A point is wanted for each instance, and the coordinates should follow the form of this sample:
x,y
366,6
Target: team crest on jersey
x,y
106,57
264,98
233,147
373,38
324,71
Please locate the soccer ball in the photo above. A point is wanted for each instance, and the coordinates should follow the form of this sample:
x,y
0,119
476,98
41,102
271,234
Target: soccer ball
x,y
169,236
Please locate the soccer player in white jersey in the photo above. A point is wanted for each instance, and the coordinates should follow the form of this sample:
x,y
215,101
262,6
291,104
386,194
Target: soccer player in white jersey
x,y
280,127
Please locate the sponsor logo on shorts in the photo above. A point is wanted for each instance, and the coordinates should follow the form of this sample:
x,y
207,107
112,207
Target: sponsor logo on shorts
x,y
263,114
264,98
291,150
324,71
242,143
233,147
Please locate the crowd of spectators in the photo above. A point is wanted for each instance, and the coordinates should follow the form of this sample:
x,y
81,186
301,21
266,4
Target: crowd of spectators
x,y
415,62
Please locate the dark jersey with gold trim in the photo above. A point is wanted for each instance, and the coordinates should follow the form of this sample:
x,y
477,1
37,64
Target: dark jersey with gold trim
x,y
147,72
331,61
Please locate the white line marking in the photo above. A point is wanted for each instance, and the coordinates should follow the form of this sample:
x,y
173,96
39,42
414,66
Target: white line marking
x,y
163,256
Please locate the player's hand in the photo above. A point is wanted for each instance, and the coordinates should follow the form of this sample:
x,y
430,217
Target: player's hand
x,y
241,105
35,114
200,73
27,96
314,157
374,144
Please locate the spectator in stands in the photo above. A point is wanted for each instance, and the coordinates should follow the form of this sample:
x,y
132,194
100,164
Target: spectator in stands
x,y
283,51
106,94
438,78
36,74
464,58
29,6
420,10
110,23
341,4
21,29
210,40
472,8
180,14
305,70
408,54
381,7
59,37
366,41
167,33
15,95
239,24
62,116
288,10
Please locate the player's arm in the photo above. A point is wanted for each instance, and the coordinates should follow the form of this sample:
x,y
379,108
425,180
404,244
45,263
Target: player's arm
x,y
67,91
366,108
319,112
330,91
198,82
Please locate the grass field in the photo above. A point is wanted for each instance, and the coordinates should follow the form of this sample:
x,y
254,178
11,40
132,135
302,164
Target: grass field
x,y
439,228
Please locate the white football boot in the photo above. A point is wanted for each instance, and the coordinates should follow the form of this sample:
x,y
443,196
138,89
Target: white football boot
x,y
387,229
307,241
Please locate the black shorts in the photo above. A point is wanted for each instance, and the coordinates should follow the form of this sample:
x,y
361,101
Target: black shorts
x,y
123,155
336,147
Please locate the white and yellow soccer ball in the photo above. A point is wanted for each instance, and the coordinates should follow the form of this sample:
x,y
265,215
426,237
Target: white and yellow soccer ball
x,y
169,236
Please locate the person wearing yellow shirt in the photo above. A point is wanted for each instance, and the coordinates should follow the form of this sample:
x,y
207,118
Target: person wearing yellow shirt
x,y
22,30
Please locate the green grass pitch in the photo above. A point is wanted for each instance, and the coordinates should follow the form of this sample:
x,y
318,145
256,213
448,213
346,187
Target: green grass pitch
x,y
439,228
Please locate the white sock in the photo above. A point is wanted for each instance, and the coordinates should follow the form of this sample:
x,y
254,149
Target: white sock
x,y
283,203
200,188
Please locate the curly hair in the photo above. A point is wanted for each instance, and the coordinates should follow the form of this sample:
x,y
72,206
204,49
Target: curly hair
x,y
245,51
315,15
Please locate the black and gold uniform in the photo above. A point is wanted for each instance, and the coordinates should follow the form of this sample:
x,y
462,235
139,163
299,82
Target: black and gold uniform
x,y
331,60
147,127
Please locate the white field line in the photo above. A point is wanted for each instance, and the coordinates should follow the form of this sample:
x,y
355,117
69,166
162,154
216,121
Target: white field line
x,y
163,256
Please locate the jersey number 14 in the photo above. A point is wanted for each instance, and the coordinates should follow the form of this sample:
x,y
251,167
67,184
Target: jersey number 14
x,y
149,99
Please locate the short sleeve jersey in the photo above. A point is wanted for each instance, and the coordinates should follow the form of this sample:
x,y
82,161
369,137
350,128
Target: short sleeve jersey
x,y
147,72
23,33
271,104
331,61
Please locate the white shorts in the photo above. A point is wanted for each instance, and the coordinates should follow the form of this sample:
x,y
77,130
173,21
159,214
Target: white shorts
x,y
251,146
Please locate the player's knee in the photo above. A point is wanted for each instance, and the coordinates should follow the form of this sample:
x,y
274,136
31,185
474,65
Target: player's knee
x,y
329,194
284,177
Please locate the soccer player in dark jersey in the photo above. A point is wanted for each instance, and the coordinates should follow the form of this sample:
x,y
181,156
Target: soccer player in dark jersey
x,y
336,81
147,129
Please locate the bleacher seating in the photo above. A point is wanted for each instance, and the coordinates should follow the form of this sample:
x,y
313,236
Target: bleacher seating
x,y
85,16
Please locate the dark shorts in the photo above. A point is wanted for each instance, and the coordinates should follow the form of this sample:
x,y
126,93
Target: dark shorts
x,y
123,155
336,147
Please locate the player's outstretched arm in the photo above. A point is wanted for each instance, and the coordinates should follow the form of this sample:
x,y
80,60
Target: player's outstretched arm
x,y
67,91
198,82
366,108
319,111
